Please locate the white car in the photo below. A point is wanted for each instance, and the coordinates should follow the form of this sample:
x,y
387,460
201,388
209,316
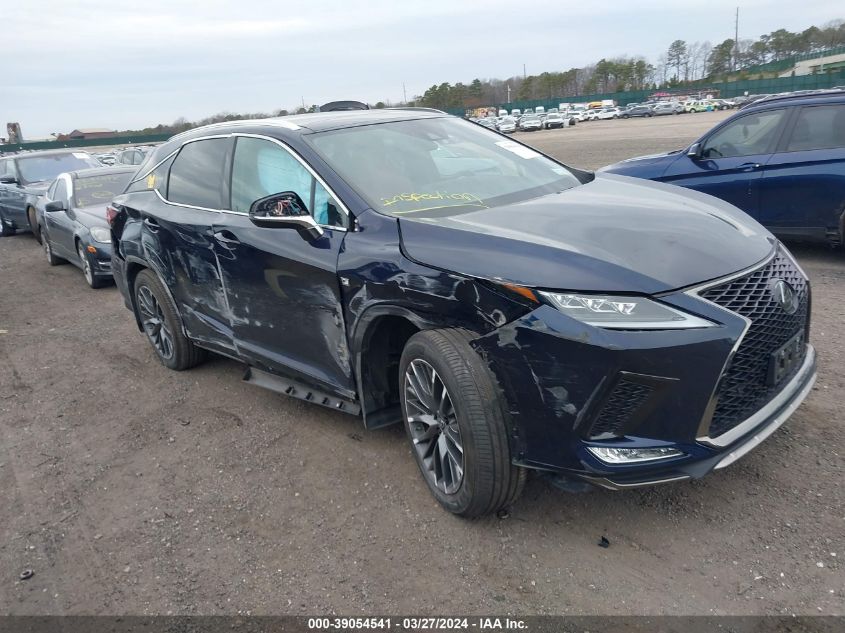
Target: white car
x,y
507,125
591,115
578,115
608,113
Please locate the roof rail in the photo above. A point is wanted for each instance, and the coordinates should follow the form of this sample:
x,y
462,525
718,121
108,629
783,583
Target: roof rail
x,y
800,94
416,109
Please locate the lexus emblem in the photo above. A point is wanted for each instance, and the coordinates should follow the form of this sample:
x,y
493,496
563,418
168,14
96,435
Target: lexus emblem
x,y
784,295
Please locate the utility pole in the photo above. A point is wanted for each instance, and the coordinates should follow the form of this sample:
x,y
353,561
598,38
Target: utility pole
x,y
404,94
508,86
736,41
523,72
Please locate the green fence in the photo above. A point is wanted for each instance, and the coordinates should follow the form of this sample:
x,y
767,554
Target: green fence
x,y
726,89
87,142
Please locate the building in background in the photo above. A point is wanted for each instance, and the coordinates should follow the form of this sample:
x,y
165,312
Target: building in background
x,y
87,133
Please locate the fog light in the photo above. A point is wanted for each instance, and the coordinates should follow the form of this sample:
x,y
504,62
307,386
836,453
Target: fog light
x,y
629,455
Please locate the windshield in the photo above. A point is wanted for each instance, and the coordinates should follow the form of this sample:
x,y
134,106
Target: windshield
x,y
47,167
99,190
438,166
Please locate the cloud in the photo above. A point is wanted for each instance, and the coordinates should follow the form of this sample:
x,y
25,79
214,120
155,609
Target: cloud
x,y
123,65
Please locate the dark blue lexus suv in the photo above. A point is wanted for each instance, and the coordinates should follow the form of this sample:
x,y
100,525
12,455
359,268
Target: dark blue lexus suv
x,y
781,160
513,313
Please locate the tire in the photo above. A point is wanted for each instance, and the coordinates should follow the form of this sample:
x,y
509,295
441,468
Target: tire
x,y
6,229
48,251
88,268
162,325
486,480
33,224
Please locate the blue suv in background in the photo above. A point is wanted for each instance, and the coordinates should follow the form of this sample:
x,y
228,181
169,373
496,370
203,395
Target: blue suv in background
x,y
781,160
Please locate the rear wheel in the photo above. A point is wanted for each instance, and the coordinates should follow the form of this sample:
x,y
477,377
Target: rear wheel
x,y
455,419
48,251
162,325
33,224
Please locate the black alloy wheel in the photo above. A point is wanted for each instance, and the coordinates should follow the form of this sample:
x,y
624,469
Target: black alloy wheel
x,y
456,421
160,321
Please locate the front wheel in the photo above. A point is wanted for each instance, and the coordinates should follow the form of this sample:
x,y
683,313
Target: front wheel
x,y
6,229
88,267
455,420
161,323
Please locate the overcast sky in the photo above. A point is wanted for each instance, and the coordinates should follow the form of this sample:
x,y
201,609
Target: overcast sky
x,y
124,64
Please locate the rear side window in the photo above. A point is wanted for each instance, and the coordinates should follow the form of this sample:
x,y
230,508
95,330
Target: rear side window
x,y
746,136
197,174
155,180
818,127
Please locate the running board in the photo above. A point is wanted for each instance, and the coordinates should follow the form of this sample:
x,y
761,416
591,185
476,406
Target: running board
x,y
288,387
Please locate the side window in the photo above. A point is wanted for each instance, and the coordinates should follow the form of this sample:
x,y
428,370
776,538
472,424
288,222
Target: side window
x,y
818,127
196,175
7,168
262,168
61,190
746,136
155,180
51,192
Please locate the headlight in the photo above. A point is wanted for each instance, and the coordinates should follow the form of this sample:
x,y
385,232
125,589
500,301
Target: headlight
x,y
101,235
623,313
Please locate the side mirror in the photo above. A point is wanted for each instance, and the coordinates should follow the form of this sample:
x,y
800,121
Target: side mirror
x,y
8,180
694,150
55,205
285,210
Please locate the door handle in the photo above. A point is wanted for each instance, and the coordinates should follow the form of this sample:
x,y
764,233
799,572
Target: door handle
x,y
227,239
151,224
749,166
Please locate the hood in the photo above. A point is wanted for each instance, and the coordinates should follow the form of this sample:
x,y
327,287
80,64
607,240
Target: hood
x,y
649,166
92,216
614,234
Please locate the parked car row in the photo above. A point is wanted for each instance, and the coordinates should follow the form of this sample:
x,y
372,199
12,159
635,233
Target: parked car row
x,y
528,121
410,267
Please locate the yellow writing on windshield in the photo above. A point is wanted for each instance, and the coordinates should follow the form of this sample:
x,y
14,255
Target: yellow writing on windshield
x,y
462,198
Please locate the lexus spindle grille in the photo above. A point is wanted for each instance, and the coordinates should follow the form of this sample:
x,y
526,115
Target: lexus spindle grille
x,y
746,386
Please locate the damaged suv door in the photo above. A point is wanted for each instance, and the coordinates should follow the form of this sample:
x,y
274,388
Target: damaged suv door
x,y
283,290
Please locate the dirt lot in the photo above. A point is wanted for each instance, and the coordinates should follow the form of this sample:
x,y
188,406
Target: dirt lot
x,y
129,488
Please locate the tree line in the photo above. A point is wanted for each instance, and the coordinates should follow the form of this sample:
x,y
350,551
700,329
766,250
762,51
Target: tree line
x,y
682,63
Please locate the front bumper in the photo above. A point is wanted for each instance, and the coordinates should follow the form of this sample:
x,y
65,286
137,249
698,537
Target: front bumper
x,y
763,424
561,378
101,260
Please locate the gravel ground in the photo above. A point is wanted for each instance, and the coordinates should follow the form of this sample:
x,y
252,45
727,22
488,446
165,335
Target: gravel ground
x,y
131,489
